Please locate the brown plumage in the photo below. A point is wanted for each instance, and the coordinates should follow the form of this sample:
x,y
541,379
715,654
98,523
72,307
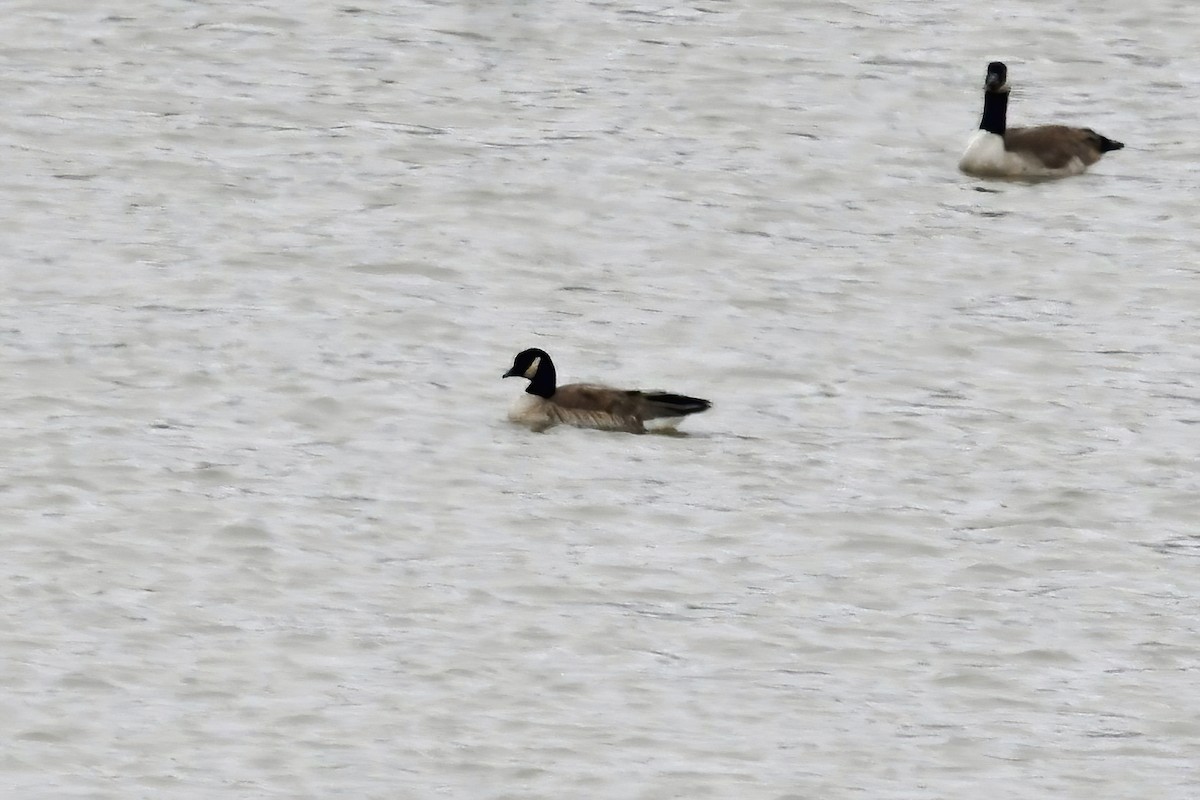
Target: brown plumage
x,y
1056,145
590,405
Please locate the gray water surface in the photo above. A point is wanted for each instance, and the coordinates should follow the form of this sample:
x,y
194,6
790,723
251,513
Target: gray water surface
x,y
266,531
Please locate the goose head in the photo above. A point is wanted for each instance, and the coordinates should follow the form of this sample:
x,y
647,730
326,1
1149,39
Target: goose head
x,y
997,77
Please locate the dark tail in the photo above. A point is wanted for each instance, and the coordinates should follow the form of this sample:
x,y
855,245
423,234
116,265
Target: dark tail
x,y
1103,143
663,404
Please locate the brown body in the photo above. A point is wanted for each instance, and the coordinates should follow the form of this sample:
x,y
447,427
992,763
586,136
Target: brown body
x,y
1056,145
590,405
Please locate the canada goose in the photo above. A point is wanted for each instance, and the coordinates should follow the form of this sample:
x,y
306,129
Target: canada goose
x,y
1047,151
589,405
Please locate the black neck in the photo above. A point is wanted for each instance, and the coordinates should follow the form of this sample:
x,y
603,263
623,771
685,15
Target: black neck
x,y
995,112
545,380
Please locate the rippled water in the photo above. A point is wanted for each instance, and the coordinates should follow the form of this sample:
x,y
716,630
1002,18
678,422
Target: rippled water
x,y
267,532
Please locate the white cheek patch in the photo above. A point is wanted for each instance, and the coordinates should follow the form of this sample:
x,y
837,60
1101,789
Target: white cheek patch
x,y
533,368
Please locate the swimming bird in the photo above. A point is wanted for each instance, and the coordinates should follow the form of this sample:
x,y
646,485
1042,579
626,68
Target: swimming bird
x,y
1045,151
590,405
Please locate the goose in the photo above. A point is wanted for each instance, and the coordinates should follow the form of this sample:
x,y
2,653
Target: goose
x,y
590,405
1046,151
